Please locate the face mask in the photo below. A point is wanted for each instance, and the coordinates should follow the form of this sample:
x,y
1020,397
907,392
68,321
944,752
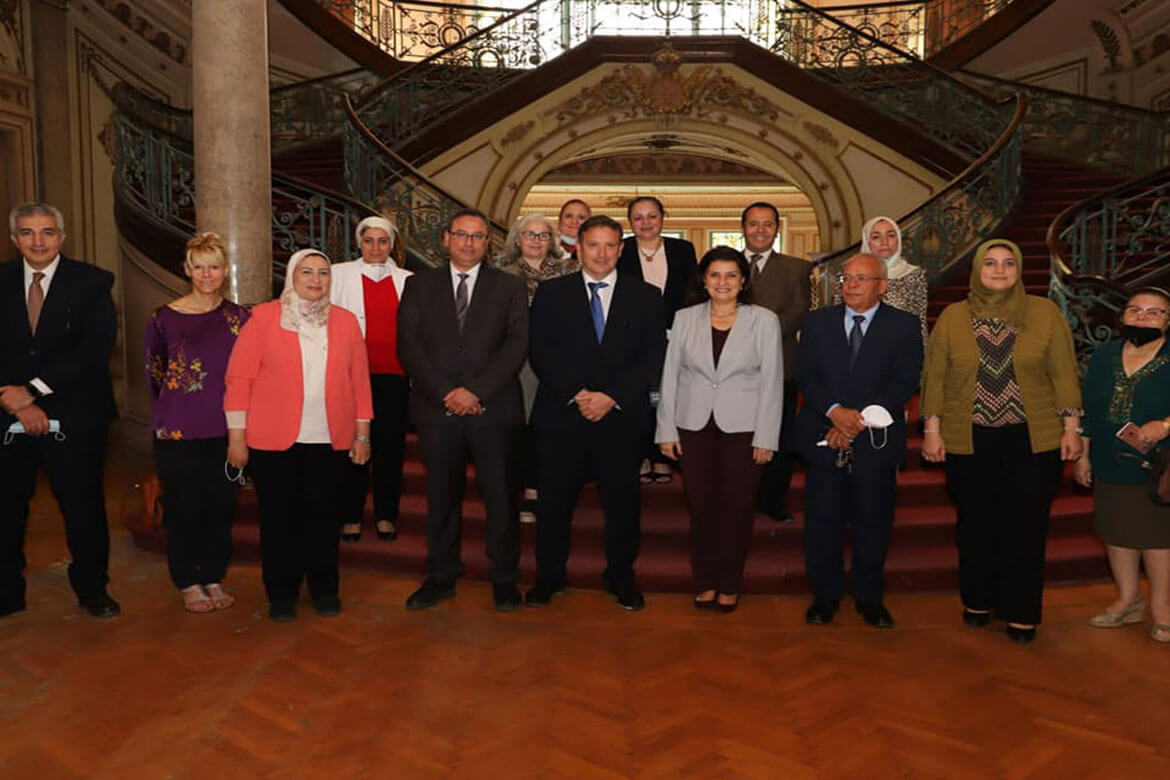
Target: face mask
x,y
876,418
1140,336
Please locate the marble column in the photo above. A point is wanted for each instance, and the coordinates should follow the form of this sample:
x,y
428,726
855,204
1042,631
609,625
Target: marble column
x,y
233,162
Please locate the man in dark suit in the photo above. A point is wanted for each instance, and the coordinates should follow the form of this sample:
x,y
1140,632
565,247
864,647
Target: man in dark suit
x,y
462,337
854,357
779,282
597,345
59,331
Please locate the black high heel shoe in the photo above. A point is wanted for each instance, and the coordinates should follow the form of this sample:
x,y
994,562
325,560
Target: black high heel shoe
x,y
351,537
386,536
1021,636
975,619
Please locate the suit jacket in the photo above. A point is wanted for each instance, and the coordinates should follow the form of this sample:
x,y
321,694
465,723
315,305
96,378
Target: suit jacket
x,y
266,380
783,287
886,372
485,357
744,393
681,264
566,357
72,347
346,288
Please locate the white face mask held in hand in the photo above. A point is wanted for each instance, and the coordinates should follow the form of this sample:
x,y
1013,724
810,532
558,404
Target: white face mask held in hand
x,y
876,417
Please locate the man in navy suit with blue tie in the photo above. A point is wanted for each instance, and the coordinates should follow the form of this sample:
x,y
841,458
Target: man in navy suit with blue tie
x,y
856,359
597,340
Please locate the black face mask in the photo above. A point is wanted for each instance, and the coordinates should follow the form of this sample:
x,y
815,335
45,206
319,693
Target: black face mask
x,y
1140,336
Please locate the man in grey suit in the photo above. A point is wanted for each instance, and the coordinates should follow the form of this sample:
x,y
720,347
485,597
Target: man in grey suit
x,y
462,337
779,282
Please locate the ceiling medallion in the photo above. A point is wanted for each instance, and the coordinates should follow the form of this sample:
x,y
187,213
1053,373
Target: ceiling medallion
x,y
661,93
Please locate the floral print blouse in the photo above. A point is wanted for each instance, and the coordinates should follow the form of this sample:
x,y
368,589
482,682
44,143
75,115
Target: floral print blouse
x,y
186,360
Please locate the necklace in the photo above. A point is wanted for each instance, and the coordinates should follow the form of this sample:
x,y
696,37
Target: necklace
x,y
648,256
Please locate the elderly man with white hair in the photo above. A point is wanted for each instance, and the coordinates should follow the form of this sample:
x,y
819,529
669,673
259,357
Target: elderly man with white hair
x,y
371,287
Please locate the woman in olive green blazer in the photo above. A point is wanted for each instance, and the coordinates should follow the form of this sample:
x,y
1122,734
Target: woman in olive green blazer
x,y
1001,405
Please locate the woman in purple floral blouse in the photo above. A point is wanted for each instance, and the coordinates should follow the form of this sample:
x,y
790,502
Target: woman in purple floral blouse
x,y
188,342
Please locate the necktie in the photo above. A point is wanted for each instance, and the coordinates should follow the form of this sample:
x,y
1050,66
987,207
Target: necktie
x,y
595,308
461,301
36,300
855,337
756,266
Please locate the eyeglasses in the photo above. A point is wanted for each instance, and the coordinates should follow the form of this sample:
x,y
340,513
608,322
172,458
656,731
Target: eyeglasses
x,y
1138,311
863,278
532,235
463,235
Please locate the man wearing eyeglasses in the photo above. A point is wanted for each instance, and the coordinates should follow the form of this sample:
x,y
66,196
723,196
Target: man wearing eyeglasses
x,y
462,337
859,364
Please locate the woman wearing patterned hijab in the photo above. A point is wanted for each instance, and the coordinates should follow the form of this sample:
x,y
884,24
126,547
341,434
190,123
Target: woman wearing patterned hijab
x,y
1001,404
882,238
297,403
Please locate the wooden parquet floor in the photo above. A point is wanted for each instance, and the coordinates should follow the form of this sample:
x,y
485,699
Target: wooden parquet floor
x,y
577,690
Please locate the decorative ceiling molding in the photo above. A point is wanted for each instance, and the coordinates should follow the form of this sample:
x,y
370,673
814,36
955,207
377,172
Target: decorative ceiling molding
x,y
144,28
671,165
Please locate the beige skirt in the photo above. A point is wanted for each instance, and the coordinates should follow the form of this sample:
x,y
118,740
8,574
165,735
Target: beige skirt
x,y
1124,516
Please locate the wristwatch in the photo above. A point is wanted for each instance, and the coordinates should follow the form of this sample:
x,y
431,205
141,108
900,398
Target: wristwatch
x,y
362,439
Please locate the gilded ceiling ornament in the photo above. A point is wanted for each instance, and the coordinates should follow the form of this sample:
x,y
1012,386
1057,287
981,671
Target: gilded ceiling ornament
x,y
517,133
822,134
662,92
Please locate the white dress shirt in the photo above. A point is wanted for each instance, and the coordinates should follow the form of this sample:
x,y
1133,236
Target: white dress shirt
x,y
764,256
314,356
472,275
604,293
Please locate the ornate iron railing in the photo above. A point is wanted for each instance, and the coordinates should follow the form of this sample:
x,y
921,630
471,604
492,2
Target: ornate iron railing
x,y
311,110
414,31
1090,131
154,173
1104,247
947,227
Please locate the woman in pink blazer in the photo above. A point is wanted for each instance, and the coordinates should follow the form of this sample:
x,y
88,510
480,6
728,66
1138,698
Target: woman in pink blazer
x,y
297,402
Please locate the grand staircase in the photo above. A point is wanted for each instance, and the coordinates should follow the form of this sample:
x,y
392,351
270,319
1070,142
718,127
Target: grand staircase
x,y
1015,185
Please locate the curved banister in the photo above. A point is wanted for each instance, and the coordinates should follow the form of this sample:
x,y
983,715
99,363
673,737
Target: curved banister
x,y
1105,246
996,171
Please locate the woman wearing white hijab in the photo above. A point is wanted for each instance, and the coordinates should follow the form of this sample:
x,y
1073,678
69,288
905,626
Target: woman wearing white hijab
x,y
882,237
371,288
297,402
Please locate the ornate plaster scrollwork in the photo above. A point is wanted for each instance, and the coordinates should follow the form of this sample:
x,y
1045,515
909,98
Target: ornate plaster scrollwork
x,y
663,93
822,134
517,133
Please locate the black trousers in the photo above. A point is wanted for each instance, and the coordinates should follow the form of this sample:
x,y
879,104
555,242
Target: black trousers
x,y
1003,493
861,497
198,505
387,450
611,451
720,481
76,469
773,493
446,449
300,523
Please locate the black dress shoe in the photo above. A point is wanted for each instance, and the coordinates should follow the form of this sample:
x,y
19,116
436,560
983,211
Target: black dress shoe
x,y
327,606
430,594
506,596
100,605
781,517
628,595
540,594
727,609
282,611
704,604
387,536
352,537
875,613
820,613
976,619
1021,636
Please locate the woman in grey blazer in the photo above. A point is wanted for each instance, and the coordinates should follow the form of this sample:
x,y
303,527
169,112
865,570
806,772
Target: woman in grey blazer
x,y
722,397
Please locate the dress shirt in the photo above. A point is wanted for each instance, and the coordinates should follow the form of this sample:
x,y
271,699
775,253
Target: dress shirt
x,y
379,271
604,293
655,269
764,257
46,280
849,315
472,274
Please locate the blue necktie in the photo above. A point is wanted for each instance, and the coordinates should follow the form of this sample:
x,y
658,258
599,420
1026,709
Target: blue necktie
x,y
855,337
595,308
